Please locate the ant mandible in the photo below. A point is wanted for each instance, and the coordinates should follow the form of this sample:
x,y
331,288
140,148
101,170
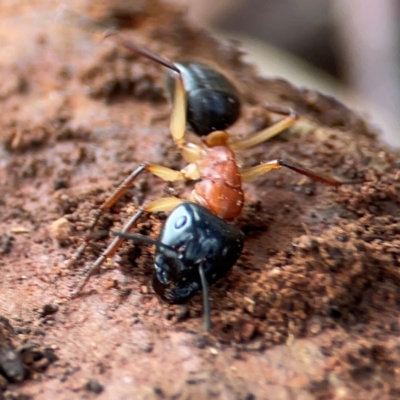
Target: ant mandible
x,y
197,246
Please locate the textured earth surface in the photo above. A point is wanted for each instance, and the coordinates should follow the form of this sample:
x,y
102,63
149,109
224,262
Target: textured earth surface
x,y
311,309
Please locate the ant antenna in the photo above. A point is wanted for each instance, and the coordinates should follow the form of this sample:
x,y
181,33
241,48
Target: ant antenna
x,y
204,283
144,239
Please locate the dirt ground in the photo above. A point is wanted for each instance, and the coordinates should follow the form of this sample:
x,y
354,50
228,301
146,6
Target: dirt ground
x,y
311,309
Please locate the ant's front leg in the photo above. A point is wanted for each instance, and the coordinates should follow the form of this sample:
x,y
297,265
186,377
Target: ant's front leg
x,y
164,204
164,173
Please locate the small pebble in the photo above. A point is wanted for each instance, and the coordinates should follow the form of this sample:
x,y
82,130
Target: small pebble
x,y
144,289
181,312
213,351
60,231
94,386
49,309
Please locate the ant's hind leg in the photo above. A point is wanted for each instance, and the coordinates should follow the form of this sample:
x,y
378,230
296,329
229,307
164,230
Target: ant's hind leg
x,y
270,132
136,48
178,116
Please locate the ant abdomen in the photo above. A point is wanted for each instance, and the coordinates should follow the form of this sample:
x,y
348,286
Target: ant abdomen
x,y
213,103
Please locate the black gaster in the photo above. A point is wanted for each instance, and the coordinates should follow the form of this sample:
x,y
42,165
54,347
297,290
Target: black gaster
x,y
200,238
213,102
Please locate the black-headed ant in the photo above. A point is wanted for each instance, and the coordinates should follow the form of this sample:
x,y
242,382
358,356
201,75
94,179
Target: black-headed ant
x,y
197,246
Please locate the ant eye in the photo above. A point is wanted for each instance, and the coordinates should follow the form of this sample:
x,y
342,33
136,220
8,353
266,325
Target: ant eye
x,y
180,222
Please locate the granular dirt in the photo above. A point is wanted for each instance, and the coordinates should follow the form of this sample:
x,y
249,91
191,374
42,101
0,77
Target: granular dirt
x,y
310,310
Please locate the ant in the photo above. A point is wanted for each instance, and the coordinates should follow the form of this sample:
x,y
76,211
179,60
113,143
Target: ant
x,y
197,246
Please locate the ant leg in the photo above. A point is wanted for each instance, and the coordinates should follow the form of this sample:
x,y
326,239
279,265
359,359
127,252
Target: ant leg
x,y
178,116
163,204
254,172
135,48
190,152
164,173
271,131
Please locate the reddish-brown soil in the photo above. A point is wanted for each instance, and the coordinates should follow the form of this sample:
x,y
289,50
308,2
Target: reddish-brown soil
x,y
310,311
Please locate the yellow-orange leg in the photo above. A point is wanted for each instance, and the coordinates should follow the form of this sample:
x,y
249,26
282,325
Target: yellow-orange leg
x,y
163,204
190,152
178,121
267,133
254,172
164,173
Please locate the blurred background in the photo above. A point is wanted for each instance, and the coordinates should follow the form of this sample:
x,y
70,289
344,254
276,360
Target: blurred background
x,y
349,49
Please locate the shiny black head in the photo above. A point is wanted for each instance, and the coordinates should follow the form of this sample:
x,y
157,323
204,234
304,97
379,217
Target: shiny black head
x,y
195,248
200,239
213,102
